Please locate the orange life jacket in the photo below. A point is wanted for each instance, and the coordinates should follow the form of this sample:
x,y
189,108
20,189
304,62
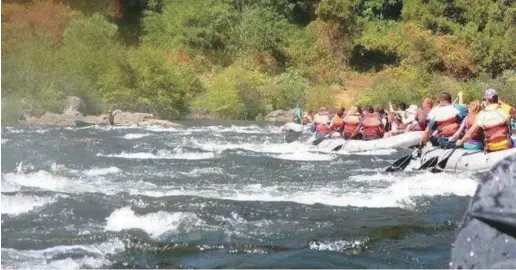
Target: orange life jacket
x,y
372,127
351,123
448,127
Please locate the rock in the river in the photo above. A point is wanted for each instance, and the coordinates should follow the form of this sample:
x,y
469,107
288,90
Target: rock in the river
x,y
130,118
74,106
280,116
487,234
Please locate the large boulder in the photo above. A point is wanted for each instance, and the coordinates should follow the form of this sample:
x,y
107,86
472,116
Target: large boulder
x,y
130,118
74,106
487,234
52,119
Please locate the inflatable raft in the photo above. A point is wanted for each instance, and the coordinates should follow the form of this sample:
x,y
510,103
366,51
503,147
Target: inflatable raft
x,y
466,160
403,140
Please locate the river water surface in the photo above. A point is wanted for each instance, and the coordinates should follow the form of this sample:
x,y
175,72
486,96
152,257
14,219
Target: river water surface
x,y
216,195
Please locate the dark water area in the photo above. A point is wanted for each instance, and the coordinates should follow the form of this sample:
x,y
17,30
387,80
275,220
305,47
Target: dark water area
x,y
216,195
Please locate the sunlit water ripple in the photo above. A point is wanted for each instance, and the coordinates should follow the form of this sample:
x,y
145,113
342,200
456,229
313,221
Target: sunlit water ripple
x,y
216,195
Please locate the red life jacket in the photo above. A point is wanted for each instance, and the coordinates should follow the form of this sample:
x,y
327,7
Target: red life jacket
x,y
351,123
448,127
322,128
373,127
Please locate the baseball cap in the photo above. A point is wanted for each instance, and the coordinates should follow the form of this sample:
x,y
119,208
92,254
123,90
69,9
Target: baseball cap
x,y
489,93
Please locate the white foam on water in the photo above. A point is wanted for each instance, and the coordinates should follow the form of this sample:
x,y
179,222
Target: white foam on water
x,y
262,147
378,152
19,203
305,156
160,129
395,191
133,136
80,256
164,154
101,171
339,245
203,171
4,140
252,129
154,224
12,182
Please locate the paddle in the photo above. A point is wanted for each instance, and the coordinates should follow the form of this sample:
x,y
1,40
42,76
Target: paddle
x,y
319,140
402,163
442,164
293,136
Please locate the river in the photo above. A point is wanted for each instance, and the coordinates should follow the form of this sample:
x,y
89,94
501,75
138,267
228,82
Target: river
x,y
216,195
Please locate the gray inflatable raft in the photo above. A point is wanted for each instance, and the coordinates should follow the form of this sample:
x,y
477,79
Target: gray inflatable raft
x,y
466,160
404,140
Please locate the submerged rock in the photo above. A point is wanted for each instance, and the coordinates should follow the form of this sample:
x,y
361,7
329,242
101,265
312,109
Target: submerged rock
x,y
487,235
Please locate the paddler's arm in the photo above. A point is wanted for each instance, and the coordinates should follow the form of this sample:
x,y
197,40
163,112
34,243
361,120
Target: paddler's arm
x,y
457,134
468,135
426,134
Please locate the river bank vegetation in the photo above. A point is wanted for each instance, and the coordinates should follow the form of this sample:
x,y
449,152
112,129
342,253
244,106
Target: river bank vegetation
x,y
244,58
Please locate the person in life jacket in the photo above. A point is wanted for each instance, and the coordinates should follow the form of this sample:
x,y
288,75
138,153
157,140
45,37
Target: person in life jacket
x,y
445,119
371,125
422,115
337,124
322,123
409,118
477,140
396,120
494,122
351,124
298,118
385,119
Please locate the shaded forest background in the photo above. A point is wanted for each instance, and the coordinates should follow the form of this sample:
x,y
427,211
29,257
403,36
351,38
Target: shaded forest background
x,y
244,58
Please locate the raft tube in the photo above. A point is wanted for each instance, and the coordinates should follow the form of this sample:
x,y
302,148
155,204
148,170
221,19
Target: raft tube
x,y
466,160
404,140
291,126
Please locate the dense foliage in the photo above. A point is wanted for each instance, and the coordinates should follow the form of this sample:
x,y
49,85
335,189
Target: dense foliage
x,y
244,58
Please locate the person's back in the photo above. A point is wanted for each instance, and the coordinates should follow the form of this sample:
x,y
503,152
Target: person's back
x,y
493,120
371,125
321,121
351,123
445,119
495,124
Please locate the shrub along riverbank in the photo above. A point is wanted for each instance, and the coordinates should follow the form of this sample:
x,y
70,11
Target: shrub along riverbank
x,y
242,59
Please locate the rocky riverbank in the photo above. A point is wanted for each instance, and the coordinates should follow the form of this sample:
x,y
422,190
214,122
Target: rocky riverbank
x,y
75,107
74,110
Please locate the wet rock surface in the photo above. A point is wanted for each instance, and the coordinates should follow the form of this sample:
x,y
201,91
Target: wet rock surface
x,y
487,235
